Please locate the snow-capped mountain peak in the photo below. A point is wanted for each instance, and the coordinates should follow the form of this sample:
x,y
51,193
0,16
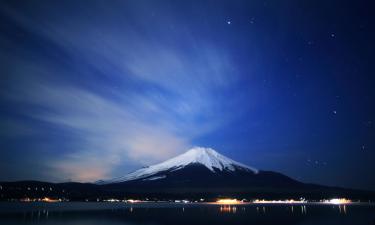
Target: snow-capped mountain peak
x,y
197,155
207,157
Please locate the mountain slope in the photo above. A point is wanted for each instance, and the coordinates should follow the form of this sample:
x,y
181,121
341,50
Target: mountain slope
x,y
200,170
206,157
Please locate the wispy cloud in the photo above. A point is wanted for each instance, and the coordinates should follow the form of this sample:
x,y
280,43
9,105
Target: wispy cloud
x,y
125,97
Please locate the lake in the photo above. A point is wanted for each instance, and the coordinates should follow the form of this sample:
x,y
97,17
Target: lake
x,y
178,213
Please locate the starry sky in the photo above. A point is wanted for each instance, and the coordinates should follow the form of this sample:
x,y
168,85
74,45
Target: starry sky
x,y
95,89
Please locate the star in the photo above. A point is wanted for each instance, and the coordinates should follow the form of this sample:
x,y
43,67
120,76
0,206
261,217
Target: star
x,y
333,35
229,22
334,112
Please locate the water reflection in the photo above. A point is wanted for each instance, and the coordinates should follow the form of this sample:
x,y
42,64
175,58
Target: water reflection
x,y
38,215
195,214
228,209
262,211
342,209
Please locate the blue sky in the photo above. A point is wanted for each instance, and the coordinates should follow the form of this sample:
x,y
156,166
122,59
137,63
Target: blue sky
x,y
93,90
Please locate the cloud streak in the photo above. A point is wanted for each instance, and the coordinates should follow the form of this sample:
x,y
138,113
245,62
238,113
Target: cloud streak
x,y
119,98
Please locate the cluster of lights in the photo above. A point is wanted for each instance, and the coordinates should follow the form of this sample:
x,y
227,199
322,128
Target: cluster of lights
x,y
182,201
147,200
111,200
126,200
223,201
50,200
45,199
228,201
338,201
288,201
133,201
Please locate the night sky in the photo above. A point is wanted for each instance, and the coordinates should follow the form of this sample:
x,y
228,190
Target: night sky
x,y
96,89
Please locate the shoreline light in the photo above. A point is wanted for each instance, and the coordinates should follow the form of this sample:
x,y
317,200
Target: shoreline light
x,y
288,201
338,201
46,199
228,201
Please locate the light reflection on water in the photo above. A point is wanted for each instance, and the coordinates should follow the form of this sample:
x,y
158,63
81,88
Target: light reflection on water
x,y
263,209
342,209
192,214
228,209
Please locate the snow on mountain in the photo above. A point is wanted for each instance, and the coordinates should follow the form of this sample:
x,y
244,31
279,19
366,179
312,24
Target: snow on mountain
x,y
198,155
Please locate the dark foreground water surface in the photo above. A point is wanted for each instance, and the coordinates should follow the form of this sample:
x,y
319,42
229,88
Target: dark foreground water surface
x,y
189,214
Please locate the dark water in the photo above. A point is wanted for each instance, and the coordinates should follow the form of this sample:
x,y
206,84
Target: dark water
x,y
189,214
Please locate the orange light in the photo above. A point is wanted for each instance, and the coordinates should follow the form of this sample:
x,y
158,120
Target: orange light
x,y
49,200
338,201
228,209
228,201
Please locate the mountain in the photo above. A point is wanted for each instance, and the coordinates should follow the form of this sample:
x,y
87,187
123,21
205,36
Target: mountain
x,y
205,157
205,172
199,172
